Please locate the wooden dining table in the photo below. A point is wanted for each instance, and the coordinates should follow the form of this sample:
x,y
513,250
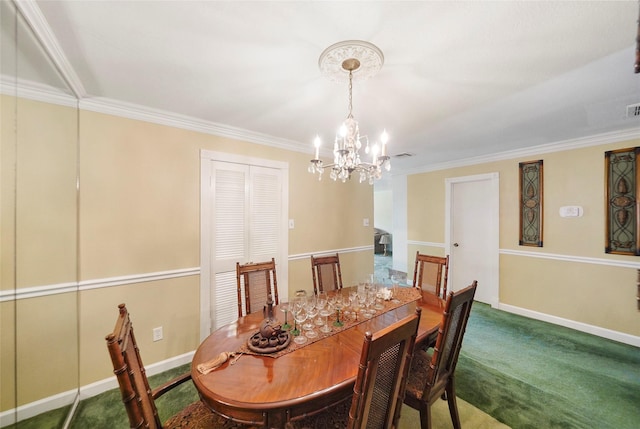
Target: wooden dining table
x,y
268,391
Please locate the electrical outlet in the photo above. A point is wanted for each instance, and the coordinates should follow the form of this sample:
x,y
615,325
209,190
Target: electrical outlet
x,y
157,333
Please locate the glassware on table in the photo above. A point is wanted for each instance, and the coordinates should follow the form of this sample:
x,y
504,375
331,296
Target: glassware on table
x,y
312,312
294,307
369,302
379,299
362,301
309,304
321,303
395,289
355,305
325,312
284,307
300,315
338,304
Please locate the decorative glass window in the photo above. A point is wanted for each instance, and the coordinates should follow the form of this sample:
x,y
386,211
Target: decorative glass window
x,y
531,203
621,169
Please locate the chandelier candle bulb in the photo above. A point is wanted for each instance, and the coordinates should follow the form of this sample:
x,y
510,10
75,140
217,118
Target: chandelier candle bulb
x,y
316,143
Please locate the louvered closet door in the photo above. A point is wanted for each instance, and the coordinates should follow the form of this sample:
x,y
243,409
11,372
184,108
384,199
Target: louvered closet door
x,y
246,213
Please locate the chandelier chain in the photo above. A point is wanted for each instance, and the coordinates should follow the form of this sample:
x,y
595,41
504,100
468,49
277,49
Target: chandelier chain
x,y
350,115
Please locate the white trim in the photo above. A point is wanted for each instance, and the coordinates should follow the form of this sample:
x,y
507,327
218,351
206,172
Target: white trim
x,y
36,91
53,402
578,326
138,278
39,291
551,256
307,255
98,387
41,29
425,243
570,258
26,411
577,143
171,119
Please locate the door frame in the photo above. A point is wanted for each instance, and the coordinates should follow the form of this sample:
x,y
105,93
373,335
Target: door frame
x,y
206,230
494,225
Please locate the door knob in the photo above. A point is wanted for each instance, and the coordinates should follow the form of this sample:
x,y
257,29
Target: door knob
x,y
455,244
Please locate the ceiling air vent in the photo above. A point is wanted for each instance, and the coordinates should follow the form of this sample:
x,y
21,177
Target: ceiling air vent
x,y
407,154
633,110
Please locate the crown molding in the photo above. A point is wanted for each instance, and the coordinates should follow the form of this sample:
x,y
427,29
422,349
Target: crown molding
x,y
161,117
40,27
577,143
36,91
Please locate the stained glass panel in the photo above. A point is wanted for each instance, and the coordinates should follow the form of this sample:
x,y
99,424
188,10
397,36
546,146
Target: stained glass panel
x,y
531,203
621,168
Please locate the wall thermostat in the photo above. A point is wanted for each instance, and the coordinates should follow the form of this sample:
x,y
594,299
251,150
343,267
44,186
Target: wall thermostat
x,y
571,211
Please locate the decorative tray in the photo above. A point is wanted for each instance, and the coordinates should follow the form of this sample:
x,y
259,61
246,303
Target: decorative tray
x,y
259,344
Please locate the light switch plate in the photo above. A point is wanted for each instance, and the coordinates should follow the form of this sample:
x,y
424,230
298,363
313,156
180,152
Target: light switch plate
x,y
365,222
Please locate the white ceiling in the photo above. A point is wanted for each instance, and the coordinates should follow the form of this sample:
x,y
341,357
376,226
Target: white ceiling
x,y
460,79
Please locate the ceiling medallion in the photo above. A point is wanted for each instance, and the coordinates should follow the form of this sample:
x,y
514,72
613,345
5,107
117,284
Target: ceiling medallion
x,y
368,54
344,62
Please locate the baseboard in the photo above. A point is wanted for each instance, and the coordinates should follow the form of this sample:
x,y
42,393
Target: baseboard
x,y
578,326
101,386
12,416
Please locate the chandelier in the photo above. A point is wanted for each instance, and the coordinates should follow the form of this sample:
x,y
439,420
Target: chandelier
x,y
351,59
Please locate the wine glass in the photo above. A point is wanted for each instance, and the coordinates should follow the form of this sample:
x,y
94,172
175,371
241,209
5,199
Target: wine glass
x,y
309,305
312,311
362,301
295,307
284,307
378,303
300,315
325,312
369,301
321,302
355,305
338,304
395,288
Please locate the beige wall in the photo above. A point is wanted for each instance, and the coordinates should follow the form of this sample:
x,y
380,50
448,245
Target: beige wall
x,y
140,213
595,294
38,248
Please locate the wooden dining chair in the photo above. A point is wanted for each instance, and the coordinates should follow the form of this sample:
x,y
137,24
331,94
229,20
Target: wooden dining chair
x,y
139,398
431,273
380,384
432,376
326,273
256,281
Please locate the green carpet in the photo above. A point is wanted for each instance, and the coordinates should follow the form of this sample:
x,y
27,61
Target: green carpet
x,y
522,372
532,374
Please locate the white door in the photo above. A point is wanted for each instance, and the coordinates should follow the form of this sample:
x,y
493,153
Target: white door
x,y
472,234
243,220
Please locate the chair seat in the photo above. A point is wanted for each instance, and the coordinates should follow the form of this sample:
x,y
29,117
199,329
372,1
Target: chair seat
x,y
198,416
417,379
